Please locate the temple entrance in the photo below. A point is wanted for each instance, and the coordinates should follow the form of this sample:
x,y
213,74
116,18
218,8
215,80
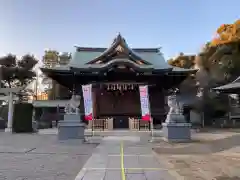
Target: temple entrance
x,y
121,122
120,102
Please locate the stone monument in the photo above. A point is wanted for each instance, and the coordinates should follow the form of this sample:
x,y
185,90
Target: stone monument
x,y
175,128
72,126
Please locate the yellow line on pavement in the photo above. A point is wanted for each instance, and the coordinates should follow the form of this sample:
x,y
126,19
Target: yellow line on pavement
x,y
122,162
143,169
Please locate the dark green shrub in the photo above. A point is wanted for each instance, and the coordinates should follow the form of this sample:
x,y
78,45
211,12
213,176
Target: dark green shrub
x,y
22,118
3,116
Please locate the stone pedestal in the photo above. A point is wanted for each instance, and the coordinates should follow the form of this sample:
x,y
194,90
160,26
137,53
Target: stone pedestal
x,y
177,132
8,129
71,127
175,128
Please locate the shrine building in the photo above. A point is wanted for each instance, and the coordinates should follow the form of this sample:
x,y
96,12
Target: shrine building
x,y
115,74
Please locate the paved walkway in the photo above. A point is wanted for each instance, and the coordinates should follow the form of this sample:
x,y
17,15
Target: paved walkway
x,y
42,157
88,132
123,158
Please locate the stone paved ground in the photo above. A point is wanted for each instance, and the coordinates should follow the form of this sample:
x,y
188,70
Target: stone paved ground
x,y
139,163
41,157
211,156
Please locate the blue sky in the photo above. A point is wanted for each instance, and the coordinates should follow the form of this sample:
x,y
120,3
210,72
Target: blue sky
x,y
30,26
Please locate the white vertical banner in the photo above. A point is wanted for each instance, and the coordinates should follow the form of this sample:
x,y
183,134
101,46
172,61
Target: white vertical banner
x,y
88,105
145,108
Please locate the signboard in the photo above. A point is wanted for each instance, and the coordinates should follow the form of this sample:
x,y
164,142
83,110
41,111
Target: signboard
x,y
144,103
87,97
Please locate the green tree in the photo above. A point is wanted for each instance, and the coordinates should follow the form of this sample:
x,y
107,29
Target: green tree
x,y
50,59
17,72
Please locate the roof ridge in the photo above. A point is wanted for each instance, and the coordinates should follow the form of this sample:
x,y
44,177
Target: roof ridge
x,y
101,49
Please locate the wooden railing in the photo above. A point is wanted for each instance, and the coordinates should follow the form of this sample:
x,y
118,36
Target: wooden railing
x,y
138,124
133,124
107,124
101,124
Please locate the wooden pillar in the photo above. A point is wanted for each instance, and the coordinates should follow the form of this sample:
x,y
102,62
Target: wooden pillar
x,y
130,123
94,101
110,123
94,107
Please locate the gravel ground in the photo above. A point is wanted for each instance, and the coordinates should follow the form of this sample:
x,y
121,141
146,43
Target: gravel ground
x,y
205,167
41,157
210,157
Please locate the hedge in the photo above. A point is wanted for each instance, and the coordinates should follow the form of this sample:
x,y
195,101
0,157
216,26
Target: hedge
x,y
22,118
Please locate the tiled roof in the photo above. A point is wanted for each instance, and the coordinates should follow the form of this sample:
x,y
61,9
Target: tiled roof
x,y
235,85
84,55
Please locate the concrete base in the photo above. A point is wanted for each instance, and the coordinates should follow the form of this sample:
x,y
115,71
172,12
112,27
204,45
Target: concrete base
x,y
8,129
71,128
177,132
157,133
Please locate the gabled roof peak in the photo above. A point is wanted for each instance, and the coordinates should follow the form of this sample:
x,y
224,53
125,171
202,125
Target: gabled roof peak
x,y
118,49
119,39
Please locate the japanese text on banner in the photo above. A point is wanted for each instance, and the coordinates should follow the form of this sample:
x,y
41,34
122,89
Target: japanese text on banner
x,y
87,97
144,103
